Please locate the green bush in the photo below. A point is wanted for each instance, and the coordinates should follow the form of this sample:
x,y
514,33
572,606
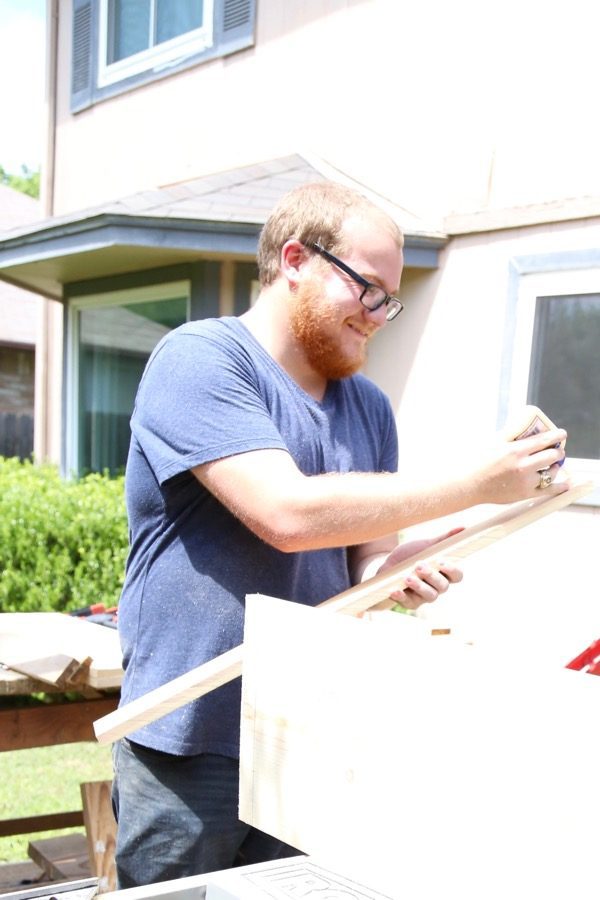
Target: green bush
x,y
63,544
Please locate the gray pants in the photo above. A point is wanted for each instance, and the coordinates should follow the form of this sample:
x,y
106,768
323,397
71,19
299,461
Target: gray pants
x,y
178,816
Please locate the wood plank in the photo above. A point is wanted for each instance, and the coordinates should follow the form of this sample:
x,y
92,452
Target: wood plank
x,y
101,832
170,696
48,822
62,857
224,668
32,636
367,757
56,723
58,670
15,684
374,592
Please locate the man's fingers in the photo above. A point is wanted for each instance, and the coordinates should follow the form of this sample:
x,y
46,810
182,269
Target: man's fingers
x,y
426,583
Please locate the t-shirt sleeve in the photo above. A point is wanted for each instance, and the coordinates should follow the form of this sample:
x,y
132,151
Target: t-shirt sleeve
x,y
198,401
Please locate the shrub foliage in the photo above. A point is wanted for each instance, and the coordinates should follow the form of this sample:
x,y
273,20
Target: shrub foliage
x,y
63,544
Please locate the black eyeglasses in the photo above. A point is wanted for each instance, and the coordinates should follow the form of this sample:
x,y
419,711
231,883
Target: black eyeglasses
x,y
372,297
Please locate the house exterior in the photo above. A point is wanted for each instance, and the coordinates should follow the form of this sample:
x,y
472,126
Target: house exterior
x,y
171,136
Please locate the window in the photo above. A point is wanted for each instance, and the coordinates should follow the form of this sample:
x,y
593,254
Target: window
x,y
556,359
17,383
137,35
565,367
112,336
119,44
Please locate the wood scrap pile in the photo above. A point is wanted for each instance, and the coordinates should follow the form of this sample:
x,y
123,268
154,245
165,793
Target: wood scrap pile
x,y
59,652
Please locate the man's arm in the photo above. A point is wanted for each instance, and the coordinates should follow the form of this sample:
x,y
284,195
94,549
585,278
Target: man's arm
x,y
294,512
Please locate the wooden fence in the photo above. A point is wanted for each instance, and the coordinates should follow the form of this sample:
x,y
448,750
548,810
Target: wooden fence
x,y
16,435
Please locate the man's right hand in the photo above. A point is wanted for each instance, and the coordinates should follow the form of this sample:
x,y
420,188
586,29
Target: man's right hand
x,y
513,470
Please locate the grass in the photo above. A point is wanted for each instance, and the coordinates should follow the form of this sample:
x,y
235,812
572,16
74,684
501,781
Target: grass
x,y
46,780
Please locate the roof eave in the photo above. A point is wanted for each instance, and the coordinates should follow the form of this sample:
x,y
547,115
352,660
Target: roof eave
x,y
46,257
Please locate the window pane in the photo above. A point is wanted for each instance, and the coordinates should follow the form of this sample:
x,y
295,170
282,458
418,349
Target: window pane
x,y
115,343
17,377
175,17
565,368
128,28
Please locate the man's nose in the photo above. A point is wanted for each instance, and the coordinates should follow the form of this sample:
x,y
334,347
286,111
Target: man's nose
x,y
377,316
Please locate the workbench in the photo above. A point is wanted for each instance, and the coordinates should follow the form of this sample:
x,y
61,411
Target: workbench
x,y
77,665
35,650
50,723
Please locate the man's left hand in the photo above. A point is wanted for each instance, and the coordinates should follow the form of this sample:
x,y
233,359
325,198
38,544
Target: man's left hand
x,y
426,581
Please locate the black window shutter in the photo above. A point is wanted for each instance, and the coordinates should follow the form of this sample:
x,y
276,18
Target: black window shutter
x,y
234,25
82,54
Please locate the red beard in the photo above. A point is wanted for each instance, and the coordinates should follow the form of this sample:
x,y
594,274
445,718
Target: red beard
x,y
315,322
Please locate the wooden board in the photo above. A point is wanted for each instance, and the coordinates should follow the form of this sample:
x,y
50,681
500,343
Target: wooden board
x,y
49,724
43,822
61,857
101,832
423,768
14,684
58,669
51,647
375,591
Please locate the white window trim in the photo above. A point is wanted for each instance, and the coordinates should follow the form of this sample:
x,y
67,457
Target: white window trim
x,y
163,291
156,58
531,287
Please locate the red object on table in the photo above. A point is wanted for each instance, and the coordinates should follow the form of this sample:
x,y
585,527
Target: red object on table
x,y
588,660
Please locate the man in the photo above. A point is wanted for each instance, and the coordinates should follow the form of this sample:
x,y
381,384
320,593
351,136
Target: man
x,y
261,462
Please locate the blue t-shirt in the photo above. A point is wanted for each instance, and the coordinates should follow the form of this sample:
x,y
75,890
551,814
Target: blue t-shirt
x,y
209,391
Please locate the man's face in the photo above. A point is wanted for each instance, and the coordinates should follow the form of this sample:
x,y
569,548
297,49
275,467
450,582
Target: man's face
x,y
327,317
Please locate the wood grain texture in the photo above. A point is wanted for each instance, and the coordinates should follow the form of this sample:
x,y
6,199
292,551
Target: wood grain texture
x,y
46,822
101,832
57,670
60,723
422,767
193,684
19,876
459,546
14,684
374,592
61,650
63,857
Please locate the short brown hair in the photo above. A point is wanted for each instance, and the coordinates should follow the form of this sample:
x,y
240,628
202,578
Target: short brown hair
x,y
309,213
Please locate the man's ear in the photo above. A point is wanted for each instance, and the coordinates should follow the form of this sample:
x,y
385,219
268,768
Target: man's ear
x,y
293,257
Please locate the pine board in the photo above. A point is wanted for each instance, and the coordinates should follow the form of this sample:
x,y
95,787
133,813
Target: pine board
x,y
421,767
62,857
101,832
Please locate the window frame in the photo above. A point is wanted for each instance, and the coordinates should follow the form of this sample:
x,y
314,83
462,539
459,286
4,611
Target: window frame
x,y
102,300
230,24
159,56
540,283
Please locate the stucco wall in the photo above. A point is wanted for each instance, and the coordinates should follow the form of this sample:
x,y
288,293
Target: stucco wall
x,y
443,363
440,107
444,360
20,315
